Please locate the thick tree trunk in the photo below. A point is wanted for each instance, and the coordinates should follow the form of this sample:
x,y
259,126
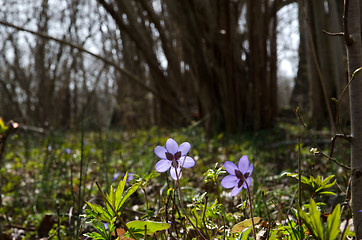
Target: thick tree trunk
x,y
354,56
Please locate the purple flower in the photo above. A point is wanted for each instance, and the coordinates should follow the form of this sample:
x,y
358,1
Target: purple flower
x,y
130,176
68,151
115,176
174,157
360,211
239,175
105,225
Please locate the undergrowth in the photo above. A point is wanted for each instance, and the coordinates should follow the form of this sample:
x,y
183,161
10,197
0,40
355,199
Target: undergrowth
x,y
49,186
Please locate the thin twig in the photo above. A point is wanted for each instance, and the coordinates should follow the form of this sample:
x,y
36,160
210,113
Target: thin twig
x,y
316,145
346,137
127,73
333,34
340,99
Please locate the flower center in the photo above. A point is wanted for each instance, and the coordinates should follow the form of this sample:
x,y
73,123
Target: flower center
x,y
242,177
173,158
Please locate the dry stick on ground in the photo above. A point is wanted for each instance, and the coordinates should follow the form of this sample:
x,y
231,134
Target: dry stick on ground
x,y
107,61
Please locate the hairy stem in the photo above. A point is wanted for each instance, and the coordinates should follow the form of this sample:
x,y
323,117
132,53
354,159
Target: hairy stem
x,y
251,209
183,209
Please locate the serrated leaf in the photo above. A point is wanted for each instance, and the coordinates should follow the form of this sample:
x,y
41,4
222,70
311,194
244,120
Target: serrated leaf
x,y
333,221
94,235
241,226
119,193
315,219
111,199
138,226
102,214
128,193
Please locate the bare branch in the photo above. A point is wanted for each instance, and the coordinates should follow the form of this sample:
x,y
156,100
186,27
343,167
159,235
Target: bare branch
x,y
107,61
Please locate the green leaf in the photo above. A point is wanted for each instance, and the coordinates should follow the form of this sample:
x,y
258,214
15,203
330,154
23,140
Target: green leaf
x,y
138,226
94,235
119,193
3,128
100,213
241,226
331,184
315,219
128,193
245,233
333,221
111,200
327,193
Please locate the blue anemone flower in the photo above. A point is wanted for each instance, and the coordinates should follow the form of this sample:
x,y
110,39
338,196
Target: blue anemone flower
x,y
239,175
174,157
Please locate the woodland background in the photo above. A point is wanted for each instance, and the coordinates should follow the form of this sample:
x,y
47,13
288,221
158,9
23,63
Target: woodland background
x,y
170,63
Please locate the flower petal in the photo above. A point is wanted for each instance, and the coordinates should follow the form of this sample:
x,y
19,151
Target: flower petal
x,y
115,176
171,146
229,181
173,173
236,191
230,167
186,162
243,164
163,165
160,152
250,169
248,181
184,148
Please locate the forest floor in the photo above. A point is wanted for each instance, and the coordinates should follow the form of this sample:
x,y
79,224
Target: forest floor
x,y
48,178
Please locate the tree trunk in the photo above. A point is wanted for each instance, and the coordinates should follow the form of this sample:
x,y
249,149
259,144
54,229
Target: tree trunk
x,y
354,57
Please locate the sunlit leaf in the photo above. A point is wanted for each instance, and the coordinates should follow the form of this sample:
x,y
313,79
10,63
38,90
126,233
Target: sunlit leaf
x,y
333,221
3,128
100,213
119,193
128,193
138,226
244,224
